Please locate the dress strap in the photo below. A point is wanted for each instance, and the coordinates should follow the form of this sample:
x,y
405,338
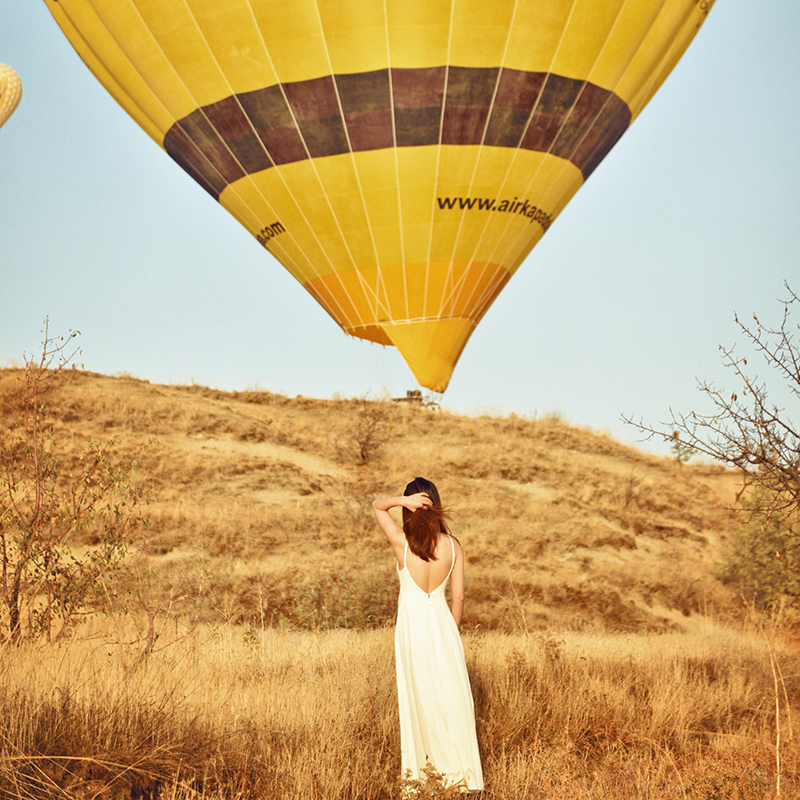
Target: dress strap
x,y
453,551
405,554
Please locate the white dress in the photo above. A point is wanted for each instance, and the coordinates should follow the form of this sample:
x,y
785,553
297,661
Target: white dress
x,y
437,716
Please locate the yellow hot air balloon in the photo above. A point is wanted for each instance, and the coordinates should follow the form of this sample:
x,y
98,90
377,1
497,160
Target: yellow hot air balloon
x,y
10,92
400,158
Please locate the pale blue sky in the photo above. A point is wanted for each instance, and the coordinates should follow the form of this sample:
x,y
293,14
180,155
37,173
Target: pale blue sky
x,y
694,215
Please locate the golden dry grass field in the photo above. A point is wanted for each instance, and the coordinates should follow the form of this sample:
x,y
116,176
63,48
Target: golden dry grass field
x,y
607,659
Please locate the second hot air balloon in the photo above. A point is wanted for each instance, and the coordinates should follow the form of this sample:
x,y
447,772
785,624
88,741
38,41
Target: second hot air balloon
x,y
400,158
10,92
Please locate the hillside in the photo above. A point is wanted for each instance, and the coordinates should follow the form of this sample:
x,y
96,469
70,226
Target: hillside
x,y
265,501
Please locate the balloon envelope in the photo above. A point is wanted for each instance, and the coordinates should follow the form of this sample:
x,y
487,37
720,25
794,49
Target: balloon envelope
x,y
10,92
400,158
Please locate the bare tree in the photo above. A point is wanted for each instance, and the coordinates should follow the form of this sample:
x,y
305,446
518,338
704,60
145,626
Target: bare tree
x,y
45,501
367,431
744,428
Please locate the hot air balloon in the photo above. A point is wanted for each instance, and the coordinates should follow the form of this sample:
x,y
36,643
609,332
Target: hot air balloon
x,y
10,92
400,158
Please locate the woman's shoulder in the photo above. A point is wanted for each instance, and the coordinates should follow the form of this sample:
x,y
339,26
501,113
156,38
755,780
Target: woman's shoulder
x,y
448,542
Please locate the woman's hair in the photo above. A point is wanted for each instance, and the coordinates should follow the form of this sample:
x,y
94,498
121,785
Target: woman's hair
x,y
422,527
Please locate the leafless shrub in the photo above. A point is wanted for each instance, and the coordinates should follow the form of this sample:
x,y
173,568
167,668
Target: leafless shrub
x,y
367,434
46,502
744,429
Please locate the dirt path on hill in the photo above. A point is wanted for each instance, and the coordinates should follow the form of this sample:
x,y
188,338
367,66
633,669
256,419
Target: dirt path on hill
x,y
308,462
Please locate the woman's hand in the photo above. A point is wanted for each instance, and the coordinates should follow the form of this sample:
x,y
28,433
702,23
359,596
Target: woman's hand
x,y
416,501
394,532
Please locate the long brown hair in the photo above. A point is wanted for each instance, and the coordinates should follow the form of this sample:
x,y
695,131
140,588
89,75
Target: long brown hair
x,y
422,527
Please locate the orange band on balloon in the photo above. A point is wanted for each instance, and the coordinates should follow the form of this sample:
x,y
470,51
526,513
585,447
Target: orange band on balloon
x,y
370,298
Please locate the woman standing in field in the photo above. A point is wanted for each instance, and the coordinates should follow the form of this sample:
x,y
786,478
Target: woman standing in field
x,y
437,717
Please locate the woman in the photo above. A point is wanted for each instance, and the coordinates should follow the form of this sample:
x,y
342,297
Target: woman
x,y
437,718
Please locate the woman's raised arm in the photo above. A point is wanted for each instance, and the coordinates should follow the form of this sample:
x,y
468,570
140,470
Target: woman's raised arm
x,y
394,533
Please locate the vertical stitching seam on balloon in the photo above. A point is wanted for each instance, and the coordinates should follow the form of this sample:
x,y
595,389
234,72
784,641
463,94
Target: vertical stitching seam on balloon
x,y
342,316
151,89
257,222
513,245
378,275
396,162
265,149
462,279
63,9
438,160
317,296
361,282
521,139
231,189
656,73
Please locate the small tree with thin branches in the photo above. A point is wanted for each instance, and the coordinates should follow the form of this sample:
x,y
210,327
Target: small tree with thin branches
x,y
46,500
747,431
744,428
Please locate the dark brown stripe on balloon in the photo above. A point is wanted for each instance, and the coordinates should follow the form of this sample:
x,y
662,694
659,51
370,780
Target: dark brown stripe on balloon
x,y
250,132
367,105
418,95
466,108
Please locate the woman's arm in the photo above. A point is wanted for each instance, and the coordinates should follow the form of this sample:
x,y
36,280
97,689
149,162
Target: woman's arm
x,y
457,585
394,533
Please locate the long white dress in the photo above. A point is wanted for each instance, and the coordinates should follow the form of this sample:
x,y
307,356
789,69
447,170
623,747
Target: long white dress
x,y
437,716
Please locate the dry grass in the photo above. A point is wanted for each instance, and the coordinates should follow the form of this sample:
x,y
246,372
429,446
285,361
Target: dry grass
x,y
607,659
562,527
242,713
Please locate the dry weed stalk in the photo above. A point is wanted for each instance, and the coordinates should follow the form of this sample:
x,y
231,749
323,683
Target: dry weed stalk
x,y
138,593
770,630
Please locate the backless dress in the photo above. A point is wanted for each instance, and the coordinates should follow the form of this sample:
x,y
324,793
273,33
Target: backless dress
x,y
437,716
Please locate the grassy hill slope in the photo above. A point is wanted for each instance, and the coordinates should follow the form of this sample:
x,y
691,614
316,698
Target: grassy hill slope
x,y
269,498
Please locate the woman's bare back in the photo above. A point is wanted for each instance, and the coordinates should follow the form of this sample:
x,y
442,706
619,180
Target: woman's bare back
x,y
429,575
